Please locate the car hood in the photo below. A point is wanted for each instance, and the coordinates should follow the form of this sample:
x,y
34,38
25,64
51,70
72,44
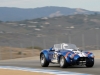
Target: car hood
x,y
79,53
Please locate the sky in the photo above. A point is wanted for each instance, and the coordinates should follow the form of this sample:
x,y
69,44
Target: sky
x,y
93,5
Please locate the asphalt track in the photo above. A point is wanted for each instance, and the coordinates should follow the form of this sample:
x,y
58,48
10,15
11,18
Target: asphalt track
x,y
36,64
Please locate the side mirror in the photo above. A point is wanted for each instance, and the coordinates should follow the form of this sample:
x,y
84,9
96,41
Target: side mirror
x,y
51,49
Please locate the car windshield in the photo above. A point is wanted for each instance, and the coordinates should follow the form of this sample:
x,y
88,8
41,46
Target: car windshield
x,y
65,46
70,46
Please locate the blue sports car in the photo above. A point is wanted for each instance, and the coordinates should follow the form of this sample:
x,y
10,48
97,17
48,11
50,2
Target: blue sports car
x,y
66,55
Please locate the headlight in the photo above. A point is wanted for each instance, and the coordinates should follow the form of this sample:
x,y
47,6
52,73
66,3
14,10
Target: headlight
x,y
92,55
71,56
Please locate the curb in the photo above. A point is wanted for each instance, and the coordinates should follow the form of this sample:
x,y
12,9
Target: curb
x,y
55,72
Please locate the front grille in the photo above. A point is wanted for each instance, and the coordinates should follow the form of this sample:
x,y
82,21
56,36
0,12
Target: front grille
x,y
82,59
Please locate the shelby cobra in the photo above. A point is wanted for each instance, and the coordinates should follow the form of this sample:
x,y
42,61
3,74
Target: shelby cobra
x,y
66,55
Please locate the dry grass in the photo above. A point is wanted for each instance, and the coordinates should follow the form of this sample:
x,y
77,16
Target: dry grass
x,y
12,53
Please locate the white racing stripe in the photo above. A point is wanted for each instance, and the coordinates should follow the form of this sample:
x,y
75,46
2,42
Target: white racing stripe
x,y
56,72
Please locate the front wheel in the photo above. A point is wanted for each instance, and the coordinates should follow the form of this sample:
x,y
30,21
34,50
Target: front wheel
x,y
89,62
63,62
43,61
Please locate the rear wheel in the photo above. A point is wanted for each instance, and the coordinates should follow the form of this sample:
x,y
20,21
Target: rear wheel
x,y
63,62
43,61
89,62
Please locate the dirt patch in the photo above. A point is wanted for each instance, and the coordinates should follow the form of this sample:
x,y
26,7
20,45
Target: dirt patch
x,y
14,72
12,53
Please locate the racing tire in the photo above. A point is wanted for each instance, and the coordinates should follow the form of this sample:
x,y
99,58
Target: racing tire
x,y
63,62
43,61
89,62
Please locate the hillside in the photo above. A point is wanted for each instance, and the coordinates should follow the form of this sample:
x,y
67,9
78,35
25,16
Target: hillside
x,y
17,14
45,32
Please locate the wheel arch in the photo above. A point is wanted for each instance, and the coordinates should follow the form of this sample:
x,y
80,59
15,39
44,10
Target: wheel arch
x,y
45,54
66,56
